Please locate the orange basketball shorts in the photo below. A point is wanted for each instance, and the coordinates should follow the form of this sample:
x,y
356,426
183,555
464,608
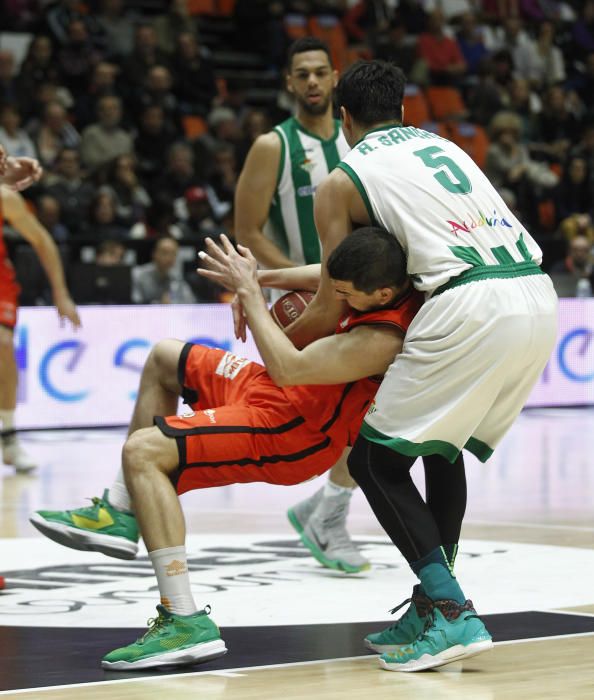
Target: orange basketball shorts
x,y
9,294
240,427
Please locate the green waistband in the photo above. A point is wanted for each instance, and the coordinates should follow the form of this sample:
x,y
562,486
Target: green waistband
x,y
490,272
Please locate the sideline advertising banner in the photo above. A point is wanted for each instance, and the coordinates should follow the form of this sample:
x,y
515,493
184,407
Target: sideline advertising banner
x,y
90,376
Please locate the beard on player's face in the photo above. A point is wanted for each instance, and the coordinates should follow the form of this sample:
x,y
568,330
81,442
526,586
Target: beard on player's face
x,y
314,110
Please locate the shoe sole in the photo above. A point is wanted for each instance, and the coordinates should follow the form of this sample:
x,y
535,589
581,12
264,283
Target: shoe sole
x,y
294,521
206,651
335,564
455,653
71,537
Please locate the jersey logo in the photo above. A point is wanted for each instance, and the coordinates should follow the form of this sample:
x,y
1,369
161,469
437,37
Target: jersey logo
x,y
211,415
307,165
230,365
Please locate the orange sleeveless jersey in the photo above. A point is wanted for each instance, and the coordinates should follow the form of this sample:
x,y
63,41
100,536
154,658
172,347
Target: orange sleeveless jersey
x,y
9,289
342,407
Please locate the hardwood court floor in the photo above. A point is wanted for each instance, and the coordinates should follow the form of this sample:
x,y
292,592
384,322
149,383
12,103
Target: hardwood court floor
x,y
537,490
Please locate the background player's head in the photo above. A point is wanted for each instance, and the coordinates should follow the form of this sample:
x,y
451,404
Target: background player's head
x,y
369,94
311,79
368,269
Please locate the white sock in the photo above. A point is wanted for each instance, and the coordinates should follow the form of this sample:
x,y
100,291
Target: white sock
x,y
171,568
331,489
7,423
118,494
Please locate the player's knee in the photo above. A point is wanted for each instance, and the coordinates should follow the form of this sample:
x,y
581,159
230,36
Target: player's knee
x,y
163,360
138,453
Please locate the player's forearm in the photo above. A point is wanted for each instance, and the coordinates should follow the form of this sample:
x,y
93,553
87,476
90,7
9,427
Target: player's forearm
x,y
276,350
303,277
49,258
263,249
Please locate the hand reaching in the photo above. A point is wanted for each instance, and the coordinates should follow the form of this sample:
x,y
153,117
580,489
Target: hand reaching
x,y
19,173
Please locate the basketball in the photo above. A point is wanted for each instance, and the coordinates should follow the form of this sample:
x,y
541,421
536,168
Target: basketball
x,y
290,306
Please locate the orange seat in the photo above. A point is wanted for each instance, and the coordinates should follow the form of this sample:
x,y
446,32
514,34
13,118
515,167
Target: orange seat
x,y
330,30
225,7
438,128
202,7
295,26
416,109
194,126
472,138
445,103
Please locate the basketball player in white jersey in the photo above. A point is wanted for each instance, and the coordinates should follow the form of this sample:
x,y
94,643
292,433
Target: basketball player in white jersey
x,y
470,357
274,205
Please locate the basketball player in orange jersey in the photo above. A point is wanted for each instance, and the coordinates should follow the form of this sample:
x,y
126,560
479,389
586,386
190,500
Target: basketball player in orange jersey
x,y
246,423
14,209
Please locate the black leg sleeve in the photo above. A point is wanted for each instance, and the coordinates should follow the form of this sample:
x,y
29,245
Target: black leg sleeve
x,y
384,478
445,487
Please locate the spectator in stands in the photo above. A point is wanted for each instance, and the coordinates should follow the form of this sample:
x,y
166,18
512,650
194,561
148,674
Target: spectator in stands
x,y
67,185
547,62
103,82
526,103
179,174
470,40
255,123
557,124
175,21
195,85
398,47
145,55
60,14
161,281
38,67
154,139
491,93
9,92
157,90
578,265
200,221
131,198
48,213
106,139
368,22
77,58
110,253
413,14
512,37
15,140
54,133
224,176
440,52
159,220
103,223
577,225
117,26
511,169
583,30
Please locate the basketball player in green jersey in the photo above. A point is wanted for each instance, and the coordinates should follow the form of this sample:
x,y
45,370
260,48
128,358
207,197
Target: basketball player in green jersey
x,y
274,204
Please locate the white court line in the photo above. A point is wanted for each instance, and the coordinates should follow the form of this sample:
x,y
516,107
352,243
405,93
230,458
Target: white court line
x,y
504,523
240,671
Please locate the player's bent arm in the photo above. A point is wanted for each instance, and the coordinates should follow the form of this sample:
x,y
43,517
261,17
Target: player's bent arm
x,y
19,216
305,277
253,197
334,224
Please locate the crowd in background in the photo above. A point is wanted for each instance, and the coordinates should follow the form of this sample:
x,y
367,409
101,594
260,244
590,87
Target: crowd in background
x,y
142,140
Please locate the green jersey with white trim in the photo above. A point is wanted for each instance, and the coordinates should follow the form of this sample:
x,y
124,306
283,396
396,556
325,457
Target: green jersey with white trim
x,y
306,159
438,203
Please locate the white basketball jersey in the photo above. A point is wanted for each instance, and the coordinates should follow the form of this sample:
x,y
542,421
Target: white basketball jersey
x,y
440,206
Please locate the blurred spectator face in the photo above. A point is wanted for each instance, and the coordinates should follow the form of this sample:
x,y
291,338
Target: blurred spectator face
x,y
103,209
580,252
255,124
197,203
48,211
165,254
6,66
104,75
577,171
187,45
180,7
68,163
311,80
159,79
41,49
112,8
152,119
109,112
10,119
512,26
110,253
556,98
435,22
125,170
520,91
146,39
546,32
225,159
181,161
77,32
55,116
468,26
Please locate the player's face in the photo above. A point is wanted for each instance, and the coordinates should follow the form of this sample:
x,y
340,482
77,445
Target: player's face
x,y
361,301
312,80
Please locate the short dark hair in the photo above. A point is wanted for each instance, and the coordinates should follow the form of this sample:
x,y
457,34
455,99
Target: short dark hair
x,y
370,258
372,92
307,43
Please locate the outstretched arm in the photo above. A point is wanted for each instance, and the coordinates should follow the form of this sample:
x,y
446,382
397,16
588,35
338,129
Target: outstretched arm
x,y
29,227
303,277
18,173
332,360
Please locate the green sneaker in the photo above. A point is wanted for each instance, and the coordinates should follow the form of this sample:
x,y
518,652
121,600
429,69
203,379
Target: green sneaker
x,y
406,629
97,528
452,632
171,640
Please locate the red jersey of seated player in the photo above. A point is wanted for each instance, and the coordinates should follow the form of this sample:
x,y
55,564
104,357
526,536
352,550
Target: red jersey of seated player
x,y
244,428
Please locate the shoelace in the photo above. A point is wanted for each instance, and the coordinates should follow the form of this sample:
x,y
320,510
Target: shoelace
x,y
97,503
395,610
336,522
154,625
